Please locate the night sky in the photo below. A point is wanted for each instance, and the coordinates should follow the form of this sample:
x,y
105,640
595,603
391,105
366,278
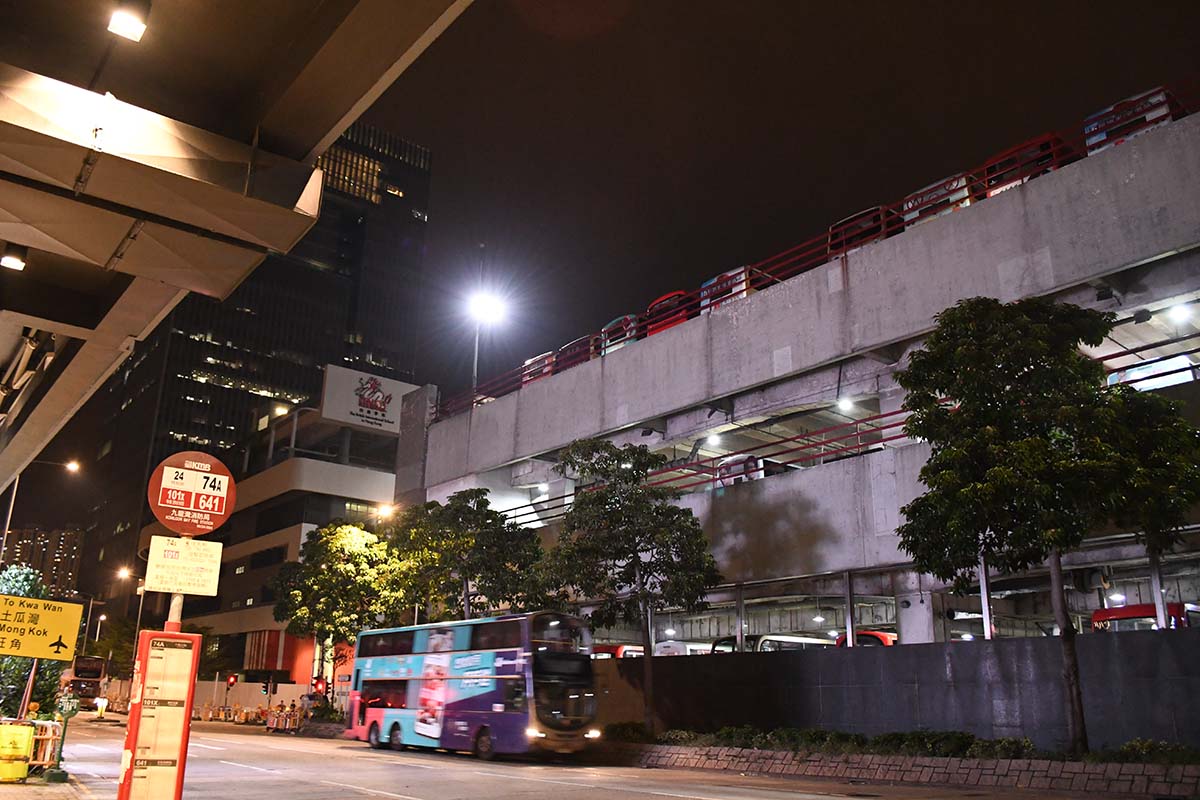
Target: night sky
x,y
609,152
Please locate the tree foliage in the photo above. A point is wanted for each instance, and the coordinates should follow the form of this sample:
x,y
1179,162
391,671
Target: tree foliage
x,y
1017,457
623,544
22,580
347,579
466,551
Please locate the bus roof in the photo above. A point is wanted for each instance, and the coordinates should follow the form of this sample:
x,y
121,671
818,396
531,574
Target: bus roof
x,y
455,623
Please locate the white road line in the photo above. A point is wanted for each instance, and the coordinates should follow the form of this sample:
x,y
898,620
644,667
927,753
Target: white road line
x,y
93,747
197,744
608,787
250,766
379,792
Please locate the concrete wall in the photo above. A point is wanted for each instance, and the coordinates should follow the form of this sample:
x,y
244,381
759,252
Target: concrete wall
x,y
1141,684
1123,207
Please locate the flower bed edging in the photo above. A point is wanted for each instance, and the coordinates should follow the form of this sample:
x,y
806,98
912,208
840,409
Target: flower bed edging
x,y
1119,779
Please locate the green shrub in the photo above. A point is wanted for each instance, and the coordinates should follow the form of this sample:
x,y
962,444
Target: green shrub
x,y
1002,748
679,737
1148,751
738,736
628,732
838,742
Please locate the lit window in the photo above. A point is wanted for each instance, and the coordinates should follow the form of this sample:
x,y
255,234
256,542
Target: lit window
x,y
240,570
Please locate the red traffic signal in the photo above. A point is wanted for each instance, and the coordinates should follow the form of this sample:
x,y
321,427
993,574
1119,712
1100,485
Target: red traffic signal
x,y
230,681
319,685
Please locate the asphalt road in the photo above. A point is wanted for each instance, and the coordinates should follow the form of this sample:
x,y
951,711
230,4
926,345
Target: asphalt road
x,y
227,761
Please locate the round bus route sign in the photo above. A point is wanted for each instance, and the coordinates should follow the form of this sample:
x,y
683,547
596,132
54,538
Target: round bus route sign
x,y
192,493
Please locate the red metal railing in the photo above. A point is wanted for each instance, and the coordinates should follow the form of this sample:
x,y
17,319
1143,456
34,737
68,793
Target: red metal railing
x,y
834,442
1017,165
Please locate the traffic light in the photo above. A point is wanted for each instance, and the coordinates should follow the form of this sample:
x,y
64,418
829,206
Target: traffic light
x,y
319,685
230,681
266,686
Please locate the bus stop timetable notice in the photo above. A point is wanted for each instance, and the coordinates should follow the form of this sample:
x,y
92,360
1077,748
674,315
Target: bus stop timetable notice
x,y
192,493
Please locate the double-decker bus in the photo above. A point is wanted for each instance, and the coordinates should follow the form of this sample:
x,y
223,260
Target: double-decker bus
x,y
86,678
503,685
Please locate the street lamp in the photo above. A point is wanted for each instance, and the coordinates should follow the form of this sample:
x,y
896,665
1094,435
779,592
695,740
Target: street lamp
x,y
99,622
125,573
484,308
71,466
129,19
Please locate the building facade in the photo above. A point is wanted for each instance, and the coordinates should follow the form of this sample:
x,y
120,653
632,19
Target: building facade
x,y
56,553
782,422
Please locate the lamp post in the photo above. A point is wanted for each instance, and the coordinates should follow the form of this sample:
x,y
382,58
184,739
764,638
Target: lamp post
x,y
70,466
99,622
125,573
484,308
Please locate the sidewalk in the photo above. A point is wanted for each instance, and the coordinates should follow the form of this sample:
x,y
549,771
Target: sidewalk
x,y
45,791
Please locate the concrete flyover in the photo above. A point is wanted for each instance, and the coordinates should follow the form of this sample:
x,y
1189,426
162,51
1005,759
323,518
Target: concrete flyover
x,y
133,174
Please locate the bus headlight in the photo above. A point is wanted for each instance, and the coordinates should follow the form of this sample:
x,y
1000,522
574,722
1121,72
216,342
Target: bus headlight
x,y
592,734
534,733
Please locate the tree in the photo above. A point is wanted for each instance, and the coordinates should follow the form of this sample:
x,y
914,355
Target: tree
x,y
450,548
116,643
625,546
346,580
21,580
1160,474
1032,452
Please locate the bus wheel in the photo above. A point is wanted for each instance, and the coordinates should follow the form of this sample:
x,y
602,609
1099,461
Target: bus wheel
x,y
484,748
373,737
394,737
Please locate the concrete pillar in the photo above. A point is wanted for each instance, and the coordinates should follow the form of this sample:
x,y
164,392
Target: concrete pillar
x,y
920,613
344,446
416,413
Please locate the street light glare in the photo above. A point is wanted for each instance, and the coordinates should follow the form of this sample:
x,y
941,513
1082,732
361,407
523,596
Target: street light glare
x,y
72,466
845,404
1179,314
128,19
386,511
486,308
103,617
123,573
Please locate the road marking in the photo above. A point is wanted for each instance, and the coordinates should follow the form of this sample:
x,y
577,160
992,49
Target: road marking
x,y
195,744
608,787
93,747
250,766
379,792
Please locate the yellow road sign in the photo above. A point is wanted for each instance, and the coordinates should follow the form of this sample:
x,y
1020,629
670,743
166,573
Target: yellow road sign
x,y
38,628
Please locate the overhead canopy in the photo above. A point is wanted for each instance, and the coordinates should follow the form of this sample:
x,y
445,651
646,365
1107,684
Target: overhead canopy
x,y
136,172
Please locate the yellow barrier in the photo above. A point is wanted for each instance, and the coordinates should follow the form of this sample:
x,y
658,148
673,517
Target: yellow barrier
x,y
16,747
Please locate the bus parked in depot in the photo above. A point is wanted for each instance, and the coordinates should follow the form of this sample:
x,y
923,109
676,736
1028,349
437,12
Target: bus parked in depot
x,y
498,686
1142,617
86,676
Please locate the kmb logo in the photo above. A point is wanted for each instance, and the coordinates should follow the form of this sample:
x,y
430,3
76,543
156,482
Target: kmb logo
x,y
370,395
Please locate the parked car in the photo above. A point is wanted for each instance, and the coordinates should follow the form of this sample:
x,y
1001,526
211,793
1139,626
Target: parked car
x,y
673,308
863,228
1130,117
941,197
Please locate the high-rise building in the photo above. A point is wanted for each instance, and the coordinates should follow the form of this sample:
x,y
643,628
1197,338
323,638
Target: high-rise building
x,y
54,553
348,293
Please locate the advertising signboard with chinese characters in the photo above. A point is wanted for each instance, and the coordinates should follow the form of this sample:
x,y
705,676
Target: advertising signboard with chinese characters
x,y
183,566
160,707
192,493
35,628
363,400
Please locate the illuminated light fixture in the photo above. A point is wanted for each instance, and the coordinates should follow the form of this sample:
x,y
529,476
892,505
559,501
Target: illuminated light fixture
x,y
1177,314
593,733
103,617
486,308
534,733
844,404
669,631
554,623
968,637
834,634
543,487
713,439
15,256
1117,597
281,410
72,466
128,19
627,465
385,511
818,619
123,573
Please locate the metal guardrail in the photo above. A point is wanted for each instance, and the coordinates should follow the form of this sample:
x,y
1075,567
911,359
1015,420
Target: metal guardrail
x,y
1005,170
835,442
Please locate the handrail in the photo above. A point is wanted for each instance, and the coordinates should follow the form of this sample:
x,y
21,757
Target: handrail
x,y
1014,166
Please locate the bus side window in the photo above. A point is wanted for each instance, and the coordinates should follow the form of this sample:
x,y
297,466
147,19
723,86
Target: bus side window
x,y
514,695
357,680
